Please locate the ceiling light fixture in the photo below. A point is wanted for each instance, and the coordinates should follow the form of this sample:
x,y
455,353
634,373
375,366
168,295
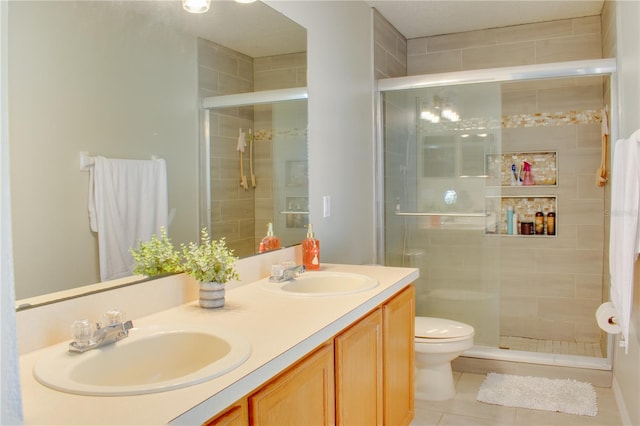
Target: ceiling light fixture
x,y
196,6
245,1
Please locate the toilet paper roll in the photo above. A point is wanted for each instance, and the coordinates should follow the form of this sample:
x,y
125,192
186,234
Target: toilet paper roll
x,y
605,315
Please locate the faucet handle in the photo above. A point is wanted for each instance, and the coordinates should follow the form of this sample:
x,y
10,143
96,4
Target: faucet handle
x,y
277,270
114,316
82,331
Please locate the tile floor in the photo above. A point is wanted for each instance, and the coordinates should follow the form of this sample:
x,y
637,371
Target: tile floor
x,y
465,410
551,346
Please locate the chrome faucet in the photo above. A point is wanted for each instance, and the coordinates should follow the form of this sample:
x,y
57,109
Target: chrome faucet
x,y
87,336
279,275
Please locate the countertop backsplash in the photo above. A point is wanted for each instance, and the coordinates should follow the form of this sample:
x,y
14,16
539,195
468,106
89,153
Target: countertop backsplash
x,y
46,325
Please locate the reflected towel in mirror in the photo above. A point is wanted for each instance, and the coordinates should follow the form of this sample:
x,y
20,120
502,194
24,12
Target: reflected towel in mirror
x,y
128,203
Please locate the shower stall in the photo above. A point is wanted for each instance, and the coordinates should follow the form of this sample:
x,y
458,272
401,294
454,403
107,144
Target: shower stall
x,y
487,184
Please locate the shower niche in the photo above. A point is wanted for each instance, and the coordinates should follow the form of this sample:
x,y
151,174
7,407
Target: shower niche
x,y
524,211
507,170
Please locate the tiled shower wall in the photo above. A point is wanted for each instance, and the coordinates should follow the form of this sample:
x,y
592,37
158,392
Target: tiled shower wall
x,y
550,288
270,73
238,214
222,71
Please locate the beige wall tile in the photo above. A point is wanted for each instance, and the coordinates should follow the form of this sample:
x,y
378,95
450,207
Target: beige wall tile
x,y
587,25
535,31
568,260
589,286
608,23
498,56
587,46
434,63
587,188
589,136
462,40
570,99
519,102
417,46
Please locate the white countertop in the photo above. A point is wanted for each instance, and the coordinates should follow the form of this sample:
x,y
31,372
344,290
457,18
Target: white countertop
x,y
281,330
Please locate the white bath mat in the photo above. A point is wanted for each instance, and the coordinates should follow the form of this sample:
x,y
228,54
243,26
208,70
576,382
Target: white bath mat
x,y
539,393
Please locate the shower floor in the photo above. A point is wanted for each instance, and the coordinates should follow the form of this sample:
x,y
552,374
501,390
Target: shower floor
x,y
551,346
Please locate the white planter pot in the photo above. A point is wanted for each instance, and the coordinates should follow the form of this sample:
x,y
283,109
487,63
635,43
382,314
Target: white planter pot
x,y
211,295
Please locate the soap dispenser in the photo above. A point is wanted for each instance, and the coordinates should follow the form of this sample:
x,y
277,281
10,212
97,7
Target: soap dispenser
x,y
311,251
270,241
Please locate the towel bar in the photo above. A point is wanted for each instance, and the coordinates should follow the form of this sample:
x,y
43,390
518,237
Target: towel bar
x,y
87,160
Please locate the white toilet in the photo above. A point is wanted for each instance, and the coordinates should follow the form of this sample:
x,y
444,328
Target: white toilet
x,y
438,342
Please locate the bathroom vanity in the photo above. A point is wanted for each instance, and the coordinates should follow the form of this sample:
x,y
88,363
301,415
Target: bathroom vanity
x,y
326,359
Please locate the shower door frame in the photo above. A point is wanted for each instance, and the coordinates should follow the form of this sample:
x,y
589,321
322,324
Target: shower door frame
x,y
583,68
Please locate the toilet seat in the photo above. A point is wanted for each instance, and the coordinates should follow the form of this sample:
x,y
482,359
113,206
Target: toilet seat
x,y
441,330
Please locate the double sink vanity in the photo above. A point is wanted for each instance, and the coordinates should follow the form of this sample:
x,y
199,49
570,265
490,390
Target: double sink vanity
x,y
334,346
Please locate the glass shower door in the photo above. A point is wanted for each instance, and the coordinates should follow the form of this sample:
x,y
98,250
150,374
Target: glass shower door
x,y
439,200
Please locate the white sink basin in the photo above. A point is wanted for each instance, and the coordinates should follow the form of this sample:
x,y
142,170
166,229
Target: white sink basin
x,y
151,359
322,283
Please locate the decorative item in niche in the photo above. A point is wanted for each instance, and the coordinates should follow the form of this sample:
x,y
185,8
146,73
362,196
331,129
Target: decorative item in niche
x,y
509,166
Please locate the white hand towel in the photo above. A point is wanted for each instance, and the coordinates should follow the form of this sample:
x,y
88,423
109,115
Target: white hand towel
x,y
127,204
624,242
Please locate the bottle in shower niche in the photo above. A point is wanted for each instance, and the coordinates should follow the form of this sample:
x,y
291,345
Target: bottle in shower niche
x,y
528,179
311,251
539,222
510,220
551,223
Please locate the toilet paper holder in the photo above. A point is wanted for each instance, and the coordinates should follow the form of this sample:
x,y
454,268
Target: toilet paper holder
x,y
612,321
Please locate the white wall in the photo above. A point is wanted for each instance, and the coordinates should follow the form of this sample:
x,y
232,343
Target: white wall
x,y
626,367
128,93
341,145
10,388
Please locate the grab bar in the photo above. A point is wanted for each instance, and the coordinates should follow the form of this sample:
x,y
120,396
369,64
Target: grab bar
x,y
442,214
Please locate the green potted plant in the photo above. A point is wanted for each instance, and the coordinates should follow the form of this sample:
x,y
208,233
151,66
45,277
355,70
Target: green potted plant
x,y
212,264
156,256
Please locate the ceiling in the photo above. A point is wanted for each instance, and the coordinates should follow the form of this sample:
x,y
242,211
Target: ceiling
x,y
254,29
265,32
415,18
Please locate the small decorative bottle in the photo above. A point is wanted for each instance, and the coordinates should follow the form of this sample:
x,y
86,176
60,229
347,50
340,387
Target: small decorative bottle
x,y
539,222
311,251
528,179
270,241
510,220
551,223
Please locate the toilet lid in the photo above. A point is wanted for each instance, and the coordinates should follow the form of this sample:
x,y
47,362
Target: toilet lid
x,y
440,328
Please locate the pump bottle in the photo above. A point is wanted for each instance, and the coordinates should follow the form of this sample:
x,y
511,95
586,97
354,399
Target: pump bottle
x,y
311,251
270,241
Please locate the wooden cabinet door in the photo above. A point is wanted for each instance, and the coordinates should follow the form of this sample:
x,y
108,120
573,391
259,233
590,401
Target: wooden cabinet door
x,y
236,415
358,353
398,348
303,395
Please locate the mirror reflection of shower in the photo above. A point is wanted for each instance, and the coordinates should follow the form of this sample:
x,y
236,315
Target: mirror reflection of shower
x,y
257,162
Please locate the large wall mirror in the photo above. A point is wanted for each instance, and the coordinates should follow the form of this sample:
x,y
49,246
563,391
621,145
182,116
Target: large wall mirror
x,y
125,79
